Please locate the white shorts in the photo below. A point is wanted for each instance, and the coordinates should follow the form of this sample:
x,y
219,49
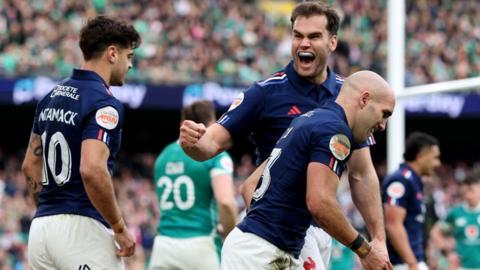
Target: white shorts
x,y
317,249
71,242
247,251
421,266
184,253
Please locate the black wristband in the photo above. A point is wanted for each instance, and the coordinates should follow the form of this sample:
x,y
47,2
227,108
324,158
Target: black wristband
x,y
357,243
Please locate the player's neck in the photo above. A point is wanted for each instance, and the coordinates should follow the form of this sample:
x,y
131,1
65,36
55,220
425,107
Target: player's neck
x,y
415,167
320,78
102,69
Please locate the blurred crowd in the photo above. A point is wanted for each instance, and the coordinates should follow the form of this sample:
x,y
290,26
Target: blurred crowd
x,y
237,42
136,195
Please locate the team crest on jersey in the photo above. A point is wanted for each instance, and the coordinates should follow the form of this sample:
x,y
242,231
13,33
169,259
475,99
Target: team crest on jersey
x,y
340,146
471,231
237,101
396,190
107,117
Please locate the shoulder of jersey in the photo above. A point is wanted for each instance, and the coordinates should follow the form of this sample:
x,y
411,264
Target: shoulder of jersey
x,y
275,79
339,80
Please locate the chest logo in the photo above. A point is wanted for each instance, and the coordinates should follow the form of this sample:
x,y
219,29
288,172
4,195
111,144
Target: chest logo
x,y
294,110
340,146
107,117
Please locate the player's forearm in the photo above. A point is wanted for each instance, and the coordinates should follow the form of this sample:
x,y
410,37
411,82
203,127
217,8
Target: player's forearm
x,y
33,181
366,197
32,166
398,238
99,187
227,216
330,217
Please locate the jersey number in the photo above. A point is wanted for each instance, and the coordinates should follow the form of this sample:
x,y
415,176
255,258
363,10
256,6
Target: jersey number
x,y
175,186
260,191
56,141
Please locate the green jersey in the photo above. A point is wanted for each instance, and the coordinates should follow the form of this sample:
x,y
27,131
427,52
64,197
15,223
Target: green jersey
x,y
464,224
184,190
342,257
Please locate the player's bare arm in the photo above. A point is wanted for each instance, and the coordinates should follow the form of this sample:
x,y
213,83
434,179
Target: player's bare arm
x,y
365,188
99,187
223,190
202,143
397,235
322,186
248,186
32,166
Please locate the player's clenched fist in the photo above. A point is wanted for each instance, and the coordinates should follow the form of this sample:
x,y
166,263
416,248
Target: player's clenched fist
x,y
190,133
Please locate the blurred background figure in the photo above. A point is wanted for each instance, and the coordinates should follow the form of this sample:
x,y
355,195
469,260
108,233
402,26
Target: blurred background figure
x,y
457,236
403,200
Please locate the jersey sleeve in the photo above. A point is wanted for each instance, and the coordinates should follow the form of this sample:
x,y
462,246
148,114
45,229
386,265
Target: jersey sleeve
x,y
104,123
396,192
331,146
221,164
369,142
244,113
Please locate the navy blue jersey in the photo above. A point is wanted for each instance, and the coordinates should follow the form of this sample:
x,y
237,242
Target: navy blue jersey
x,y
81,107
279,213
404,189
267,107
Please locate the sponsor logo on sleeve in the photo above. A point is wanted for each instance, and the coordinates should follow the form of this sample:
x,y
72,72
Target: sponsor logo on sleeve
x,y
340,146
396,190
107,117
237,101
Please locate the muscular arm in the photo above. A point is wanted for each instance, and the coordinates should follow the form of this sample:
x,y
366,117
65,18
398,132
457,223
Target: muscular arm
x,y
365,190
322,203
397,235
223,191
97,180
99,187
33,166
321,199
249,185
202,143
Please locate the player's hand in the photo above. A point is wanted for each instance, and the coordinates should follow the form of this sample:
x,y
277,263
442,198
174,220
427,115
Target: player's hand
x,y
125,243
376,259
190,133
381,246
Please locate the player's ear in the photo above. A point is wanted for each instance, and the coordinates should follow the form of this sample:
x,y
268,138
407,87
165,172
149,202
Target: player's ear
x,y
112,54
364,98
332,43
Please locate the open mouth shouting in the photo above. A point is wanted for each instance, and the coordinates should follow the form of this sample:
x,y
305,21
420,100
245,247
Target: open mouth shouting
x,y
305,59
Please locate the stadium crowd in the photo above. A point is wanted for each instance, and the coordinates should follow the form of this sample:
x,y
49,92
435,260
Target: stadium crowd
x,y
136,196
236,42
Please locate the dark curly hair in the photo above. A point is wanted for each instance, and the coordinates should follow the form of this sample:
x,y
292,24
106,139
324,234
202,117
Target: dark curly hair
x,y
103,31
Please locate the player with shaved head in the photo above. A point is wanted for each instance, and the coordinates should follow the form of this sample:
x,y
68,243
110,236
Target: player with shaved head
x,y
300,181
266,109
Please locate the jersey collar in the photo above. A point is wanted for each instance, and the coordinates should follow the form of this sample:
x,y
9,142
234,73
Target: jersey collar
x,y
83,74
304,86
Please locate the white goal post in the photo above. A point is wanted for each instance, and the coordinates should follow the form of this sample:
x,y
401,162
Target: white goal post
x,y
395,76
